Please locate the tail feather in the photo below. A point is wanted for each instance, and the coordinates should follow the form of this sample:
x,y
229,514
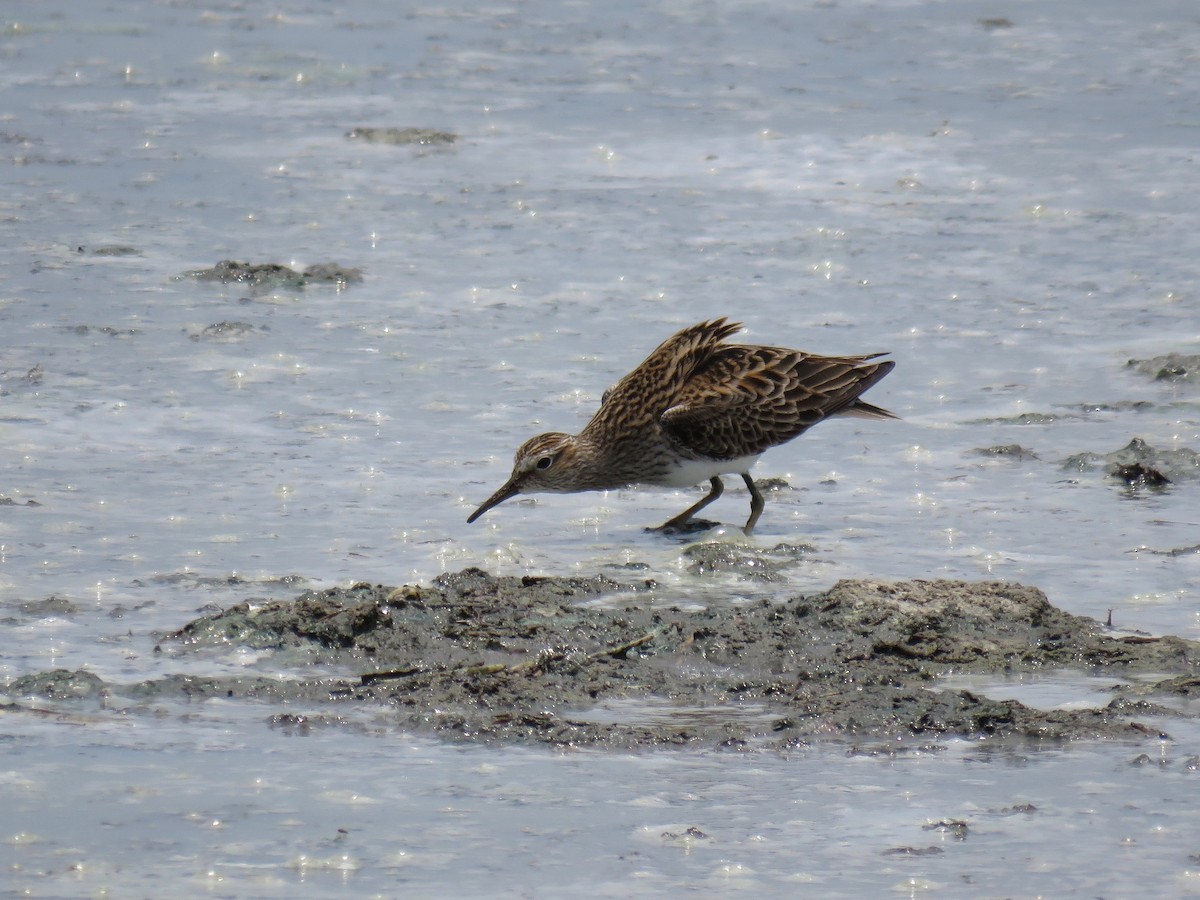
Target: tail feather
x,y
860,409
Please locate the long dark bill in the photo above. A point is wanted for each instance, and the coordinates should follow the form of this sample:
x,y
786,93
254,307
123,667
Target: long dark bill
x,y
510,489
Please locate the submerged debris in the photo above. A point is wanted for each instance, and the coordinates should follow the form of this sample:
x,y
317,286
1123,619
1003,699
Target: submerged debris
x,y
1170,367
1028,418
273,276
100,329
224,332
1139,464
1117,406
9,501
1138,475
1174,551
59,684
1009,451
750,562
402,136
110,250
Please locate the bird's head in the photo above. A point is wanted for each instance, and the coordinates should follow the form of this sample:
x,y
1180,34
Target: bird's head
x,y
546,463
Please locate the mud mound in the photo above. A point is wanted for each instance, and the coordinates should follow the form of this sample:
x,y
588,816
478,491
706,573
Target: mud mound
x,y
590,661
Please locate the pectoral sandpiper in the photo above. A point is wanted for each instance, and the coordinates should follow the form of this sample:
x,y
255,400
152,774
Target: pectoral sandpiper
x,y
696,408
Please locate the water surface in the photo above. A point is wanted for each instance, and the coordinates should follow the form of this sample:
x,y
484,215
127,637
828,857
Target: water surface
x,y
1004,199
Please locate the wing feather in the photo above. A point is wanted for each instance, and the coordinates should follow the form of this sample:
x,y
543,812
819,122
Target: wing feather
x,y
748,399
638,399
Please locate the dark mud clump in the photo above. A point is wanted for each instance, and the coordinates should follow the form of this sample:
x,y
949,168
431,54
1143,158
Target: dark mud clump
x,y
1119,406
594,662
100,329
225,332
110,250
1029,418
1005,451
1173,551
749,563
54,605
402,137
274,276
59,684
1170,367
1137,475
1138,464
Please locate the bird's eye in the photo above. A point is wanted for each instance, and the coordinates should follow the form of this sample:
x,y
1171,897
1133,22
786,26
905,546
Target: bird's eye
x,y
545,462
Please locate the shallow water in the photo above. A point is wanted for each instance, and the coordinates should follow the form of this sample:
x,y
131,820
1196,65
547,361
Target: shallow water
x,y
233,809
1009,209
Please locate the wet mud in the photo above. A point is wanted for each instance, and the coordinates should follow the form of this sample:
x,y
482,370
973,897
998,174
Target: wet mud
x,y
1169,367
402,137
1138,464
261,277
597,662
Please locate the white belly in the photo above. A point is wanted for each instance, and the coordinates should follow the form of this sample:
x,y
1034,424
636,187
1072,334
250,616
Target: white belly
x,y
694,471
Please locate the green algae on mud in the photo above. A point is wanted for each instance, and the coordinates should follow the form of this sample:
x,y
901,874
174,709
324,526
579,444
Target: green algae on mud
x,y
480,658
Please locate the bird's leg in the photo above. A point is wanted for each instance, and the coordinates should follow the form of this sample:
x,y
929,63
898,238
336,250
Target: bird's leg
x,y
684,517
756,503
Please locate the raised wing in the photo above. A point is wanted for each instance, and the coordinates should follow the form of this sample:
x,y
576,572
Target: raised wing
x,y
747,399
640,398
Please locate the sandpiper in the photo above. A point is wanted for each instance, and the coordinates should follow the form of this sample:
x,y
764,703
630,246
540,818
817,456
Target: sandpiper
x,y
696,408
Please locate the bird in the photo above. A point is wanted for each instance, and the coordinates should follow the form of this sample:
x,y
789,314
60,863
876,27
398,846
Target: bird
x,y
696,408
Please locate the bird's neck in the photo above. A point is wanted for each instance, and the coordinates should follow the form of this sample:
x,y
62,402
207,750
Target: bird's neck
x,y
605,464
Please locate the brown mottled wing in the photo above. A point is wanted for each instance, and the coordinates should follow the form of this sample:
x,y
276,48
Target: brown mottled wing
x,y
747,399
638,399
